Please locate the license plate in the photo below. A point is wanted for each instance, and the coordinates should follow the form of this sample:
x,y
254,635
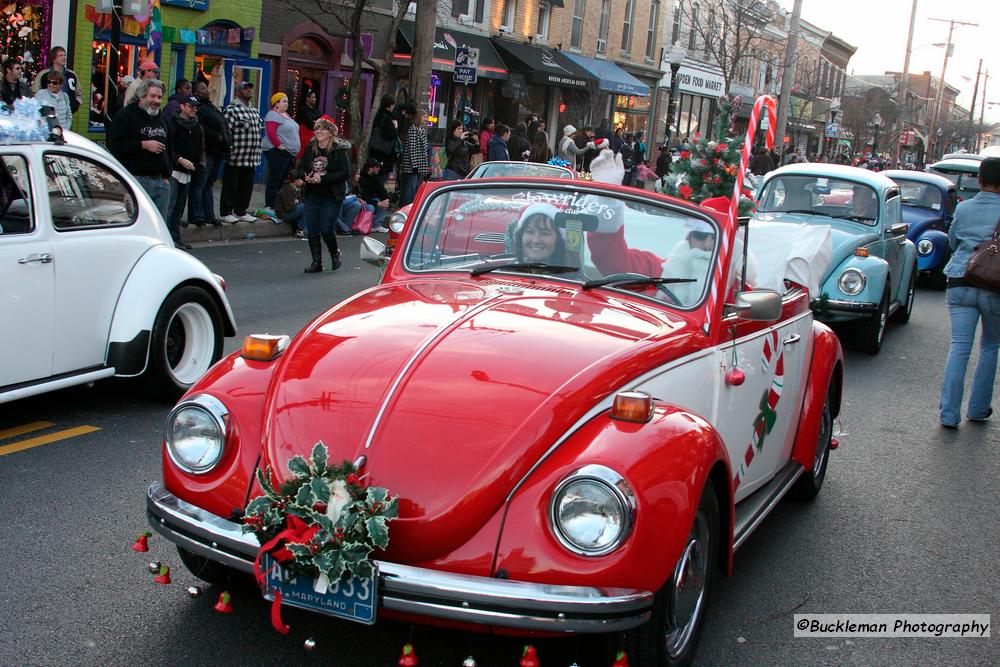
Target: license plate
x,y
354,598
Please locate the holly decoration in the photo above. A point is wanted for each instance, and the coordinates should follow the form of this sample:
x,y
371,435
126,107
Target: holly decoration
x,y
621,660
408,658
529,658
323,520
706,169
224,604
164,576
141,542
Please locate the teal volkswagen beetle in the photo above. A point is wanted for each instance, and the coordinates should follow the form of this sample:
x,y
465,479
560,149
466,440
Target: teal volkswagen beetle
x,y
871,275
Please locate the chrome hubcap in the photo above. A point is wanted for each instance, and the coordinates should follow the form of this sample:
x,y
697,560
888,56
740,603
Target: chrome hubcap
x,y
687,595
823,446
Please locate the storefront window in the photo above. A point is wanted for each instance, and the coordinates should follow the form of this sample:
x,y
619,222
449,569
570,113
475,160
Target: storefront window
x,y
631,112
104,104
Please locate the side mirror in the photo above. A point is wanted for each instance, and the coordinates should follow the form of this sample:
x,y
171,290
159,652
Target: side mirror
x,y
759,305
899,229
372,251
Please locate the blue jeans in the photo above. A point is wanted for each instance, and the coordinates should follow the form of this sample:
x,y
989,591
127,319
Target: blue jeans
x,y
278,163
178,199
965,306
410,184
201,190
158,190
195,213
348,212
294,217
320,216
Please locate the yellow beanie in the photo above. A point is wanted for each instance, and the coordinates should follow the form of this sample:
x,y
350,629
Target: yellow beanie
x,y
277,97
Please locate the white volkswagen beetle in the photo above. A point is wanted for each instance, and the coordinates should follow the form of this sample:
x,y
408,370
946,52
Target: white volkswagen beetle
x,y
91,285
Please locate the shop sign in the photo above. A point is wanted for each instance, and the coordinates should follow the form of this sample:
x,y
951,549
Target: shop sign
x,y
832,130
696,81
466,69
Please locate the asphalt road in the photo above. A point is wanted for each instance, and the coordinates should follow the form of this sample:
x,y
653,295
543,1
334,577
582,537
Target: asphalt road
x,y
907,523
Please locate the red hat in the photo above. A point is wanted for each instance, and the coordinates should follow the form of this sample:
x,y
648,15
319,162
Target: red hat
x,y
601,144
148,65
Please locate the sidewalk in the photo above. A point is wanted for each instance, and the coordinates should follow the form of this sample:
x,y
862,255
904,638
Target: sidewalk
x,y
239,230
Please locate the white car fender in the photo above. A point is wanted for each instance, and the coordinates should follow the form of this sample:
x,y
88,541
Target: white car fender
x,y
157,273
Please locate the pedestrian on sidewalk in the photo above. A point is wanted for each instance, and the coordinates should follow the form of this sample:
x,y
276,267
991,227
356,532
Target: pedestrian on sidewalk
x,y
186,142
54,96
325,168
485,135
182,91
497,150
280,144
459,148
568,149
384,139
289,205
415,167
628,152
540,150
12,87
70,82
148,71
201,193
373,193
244,125
307,115
974,223
138,139
518,147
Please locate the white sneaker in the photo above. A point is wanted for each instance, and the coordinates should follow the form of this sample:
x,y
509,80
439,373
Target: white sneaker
x,y
380,230
246,217
230,218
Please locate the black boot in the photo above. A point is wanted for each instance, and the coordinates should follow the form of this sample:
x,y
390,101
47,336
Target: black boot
x,y
316,249
331,245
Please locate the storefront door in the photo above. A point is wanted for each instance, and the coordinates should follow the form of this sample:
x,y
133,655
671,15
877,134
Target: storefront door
x,y
341,113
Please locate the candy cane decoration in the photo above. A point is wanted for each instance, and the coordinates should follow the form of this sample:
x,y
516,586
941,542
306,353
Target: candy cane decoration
x,y
725,250
773,352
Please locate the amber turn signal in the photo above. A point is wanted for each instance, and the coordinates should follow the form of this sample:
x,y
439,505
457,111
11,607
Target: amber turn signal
x,y
264,347
632,406
861,252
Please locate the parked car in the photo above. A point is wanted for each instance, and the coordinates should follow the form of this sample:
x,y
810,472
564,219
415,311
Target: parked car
x,y
928,205
579,434
92,286
873,273
962,170
493,169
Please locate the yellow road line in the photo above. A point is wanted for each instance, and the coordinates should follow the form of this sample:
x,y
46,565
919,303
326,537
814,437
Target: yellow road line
x,y
24,428
46,439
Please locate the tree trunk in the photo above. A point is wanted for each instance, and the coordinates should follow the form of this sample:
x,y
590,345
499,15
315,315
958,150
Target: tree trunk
x,y
383,75
357,58
423,54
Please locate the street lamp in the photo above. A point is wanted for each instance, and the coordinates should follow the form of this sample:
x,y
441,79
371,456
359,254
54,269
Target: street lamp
x,y
831,134
877,122
675,58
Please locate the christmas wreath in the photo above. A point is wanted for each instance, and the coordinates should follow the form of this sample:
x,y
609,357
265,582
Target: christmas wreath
x,y
324,522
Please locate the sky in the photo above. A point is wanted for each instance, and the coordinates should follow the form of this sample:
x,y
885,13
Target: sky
x,y
878,28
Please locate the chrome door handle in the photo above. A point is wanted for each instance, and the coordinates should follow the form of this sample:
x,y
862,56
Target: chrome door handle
x,y
791,340
42,258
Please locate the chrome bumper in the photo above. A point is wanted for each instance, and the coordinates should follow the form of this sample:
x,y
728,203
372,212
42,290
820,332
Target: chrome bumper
x,y
848,306
421,591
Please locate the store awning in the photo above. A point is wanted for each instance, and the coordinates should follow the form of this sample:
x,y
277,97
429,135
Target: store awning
x,y
542,65
446,41
610,76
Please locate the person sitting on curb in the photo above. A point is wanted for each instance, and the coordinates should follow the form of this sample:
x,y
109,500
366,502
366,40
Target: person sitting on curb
x,y
374,194
288,204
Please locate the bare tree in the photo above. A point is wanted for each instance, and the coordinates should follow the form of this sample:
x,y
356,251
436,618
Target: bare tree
x,y
857,115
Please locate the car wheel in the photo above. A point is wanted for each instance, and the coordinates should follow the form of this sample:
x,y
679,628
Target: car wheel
x,y
902,316
869,332
670,637
809,484
187,340
209,570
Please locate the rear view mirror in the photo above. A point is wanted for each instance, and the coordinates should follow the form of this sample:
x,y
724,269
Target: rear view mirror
x,y
758,305
372,251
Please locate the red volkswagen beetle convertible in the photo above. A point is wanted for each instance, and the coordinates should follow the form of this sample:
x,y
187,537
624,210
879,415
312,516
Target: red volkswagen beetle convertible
x,y
580,425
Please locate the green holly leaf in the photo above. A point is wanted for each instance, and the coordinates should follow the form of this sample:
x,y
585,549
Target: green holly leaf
x,y
376,494
354,552
258,505
298,467
264,479
319,458
320,490
299,550
324,560
305,496
378,531
364,569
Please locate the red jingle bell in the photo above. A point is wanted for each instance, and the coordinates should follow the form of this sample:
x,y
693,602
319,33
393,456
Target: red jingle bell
x,y
224,605
164,576
530,657
141,542
735,377
621,660
408,658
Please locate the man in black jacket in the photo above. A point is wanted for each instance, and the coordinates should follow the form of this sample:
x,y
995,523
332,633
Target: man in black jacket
x,y
12,87
373,193
138,138
187,150
201,202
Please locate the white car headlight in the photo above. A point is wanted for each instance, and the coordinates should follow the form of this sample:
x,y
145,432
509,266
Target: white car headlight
x,y
592,511
396,222
851,282
925,246
196,433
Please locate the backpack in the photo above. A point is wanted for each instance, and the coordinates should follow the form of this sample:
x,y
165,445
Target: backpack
x,y
628,156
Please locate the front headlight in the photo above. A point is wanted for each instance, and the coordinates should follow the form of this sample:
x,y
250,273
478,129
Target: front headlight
x,y
925,246
396,222
592,511
851,282
196,433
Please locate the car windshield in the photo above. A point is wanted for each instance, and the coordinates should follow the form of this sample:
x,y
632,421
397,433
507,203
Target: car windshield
x,y
580,235
920,195
519,169
820,195
966,182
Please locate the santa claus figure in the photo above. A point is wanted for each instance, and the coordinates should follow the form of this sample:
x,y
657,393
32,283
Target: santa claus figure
x,y
607,166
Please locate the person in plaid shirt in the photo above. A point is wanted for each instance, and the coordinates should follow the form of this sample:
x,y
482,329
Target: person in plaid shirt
x,y
245,127
415,164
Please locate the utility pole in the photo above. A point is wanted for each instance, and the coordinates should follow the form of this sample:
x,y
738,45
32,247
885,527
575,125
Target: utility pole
x,y
423,54
904,82
982,110
972,107
788,74
934,142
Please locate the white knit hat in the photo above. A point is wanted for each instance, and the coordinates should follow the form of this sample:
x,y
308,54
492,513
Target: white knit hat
x,y
568,130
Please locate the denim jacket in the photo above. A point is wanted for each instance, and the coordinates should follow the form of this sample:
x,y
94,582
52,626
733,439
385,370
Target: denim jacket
x,y
974,222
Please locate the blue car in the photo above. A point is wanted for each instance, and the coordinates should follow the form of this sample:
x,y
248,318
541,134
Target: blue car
x,y
929,202
873,272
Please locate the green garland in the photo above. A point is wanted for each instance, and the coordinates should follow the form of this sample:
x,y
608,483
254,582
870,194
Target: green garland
x,y
337,521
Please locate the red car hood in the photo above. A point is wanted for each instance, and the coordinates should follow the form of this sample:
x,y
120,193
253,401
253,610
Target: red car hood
x,y
456,388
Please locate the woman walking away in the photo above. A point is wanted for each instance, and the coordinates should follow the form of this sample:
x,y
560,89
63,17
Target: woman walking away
x,y
485,134
382,143
415,164
280,144
325,168
519,146
975,222
459,150
540,151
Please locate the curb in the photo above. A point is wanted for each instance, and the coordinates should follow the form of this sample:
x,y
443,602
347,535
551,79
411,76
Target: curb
x,y
263,228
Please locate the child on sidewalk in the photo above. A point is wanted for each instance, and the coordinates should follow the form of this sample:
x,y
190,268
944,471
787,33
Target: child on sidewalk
x,y
288,204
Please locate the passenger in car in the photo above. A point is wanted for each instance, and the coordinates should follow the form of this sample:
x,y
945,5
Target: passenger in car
x,y
537,239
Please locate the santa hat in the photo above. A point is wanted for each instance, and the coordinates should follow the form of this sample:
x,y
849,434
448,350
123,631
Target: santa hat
x,y
548,210
569,130
601,144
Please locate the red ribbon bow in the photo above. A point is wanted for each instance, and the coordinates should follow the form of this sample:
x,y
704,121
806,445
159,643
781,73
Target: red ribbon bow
x,y
297,531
